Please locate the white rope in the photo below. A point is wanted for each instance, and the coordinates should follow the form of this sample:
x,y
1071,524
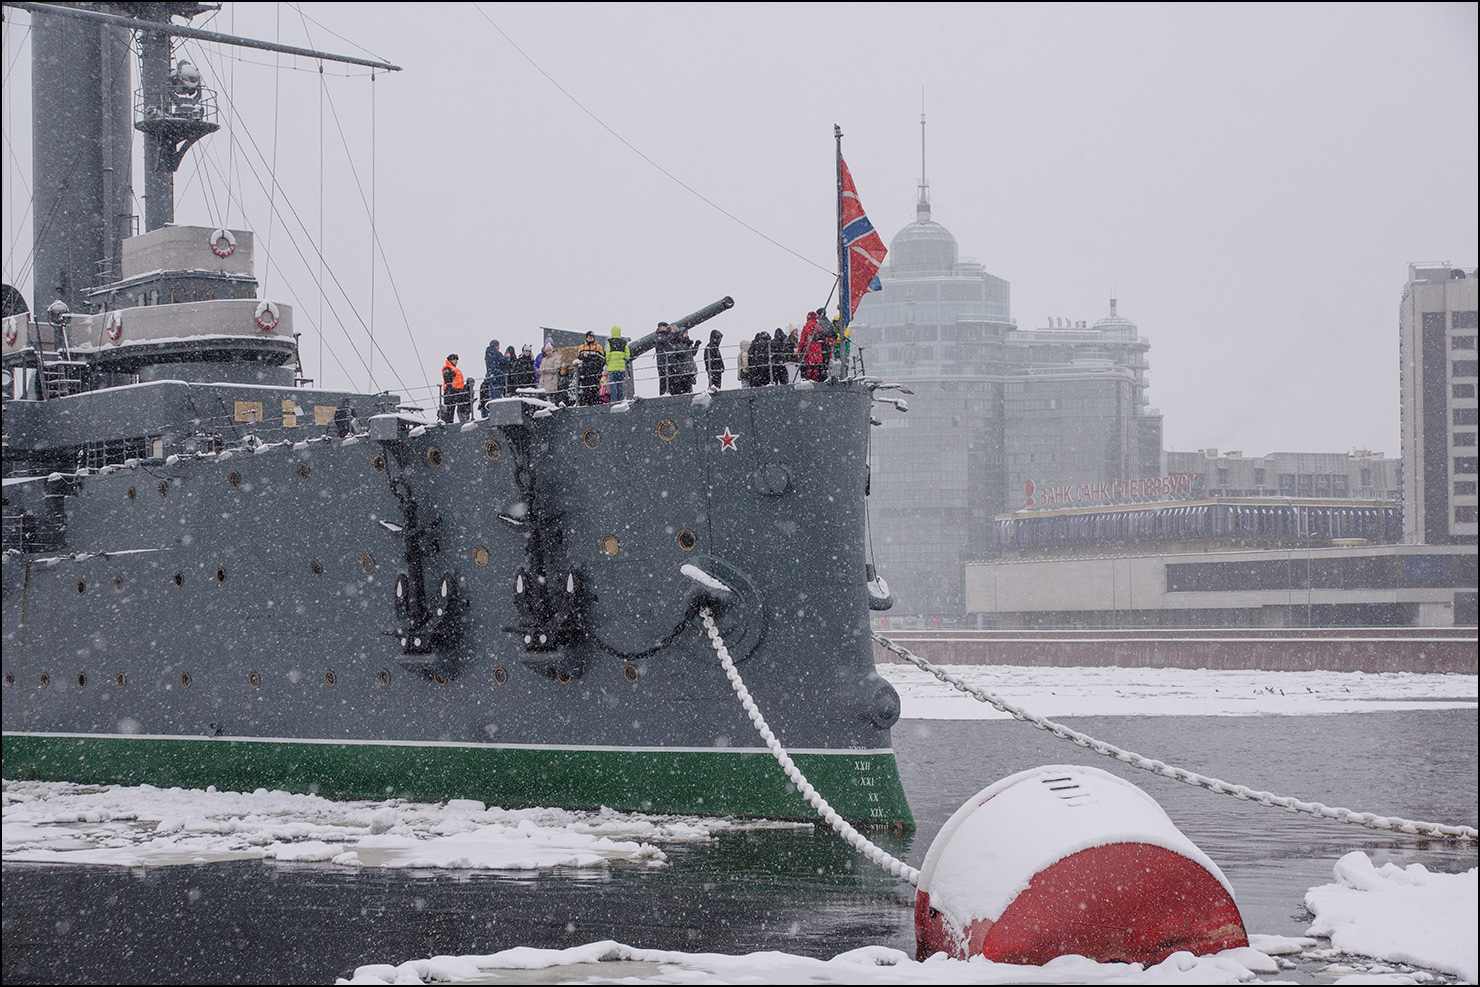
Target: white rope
x,y
860,843
1367,819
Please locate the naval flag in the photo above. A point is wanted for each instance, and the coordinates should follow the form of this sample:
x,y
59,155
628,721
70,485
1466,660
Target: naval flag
x,y
860,249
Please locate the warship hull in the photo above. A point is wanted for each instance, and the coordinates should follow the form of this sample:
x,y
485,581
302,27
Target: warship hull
x,y
241,619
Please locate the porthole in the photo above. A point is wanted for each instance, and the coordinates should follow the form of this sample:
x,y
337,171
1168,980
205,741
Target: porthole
x,y
562,676
121,680
45,679
179,579
303,471
629,672
667,430
367,562
81,586
500,675
254,680
480,555
131,494
383,677
377,463
686,540
316,567
591,438
164,488
439,678
610,545
434,456
329,677
118,583
10,678
220,575
235,479
81,680
185,679
492,450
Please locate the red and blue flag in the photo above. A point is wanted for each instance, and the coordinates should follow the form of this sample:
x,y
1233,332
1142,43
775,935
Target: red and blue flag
x,y
861,250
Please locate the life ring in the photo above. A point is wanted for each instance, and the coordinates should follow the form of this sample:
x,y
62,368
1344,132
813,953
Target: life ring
x,y
267,316
216,237
12,331
113,325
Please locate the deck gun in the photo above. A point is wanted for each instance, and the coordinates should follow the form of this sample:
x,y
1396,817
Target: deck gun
x,y
645,343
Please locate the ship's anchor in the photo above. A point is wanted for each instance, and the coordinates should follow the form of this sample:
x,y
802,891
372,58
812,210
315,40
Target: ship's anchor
x,y
429,626
551,603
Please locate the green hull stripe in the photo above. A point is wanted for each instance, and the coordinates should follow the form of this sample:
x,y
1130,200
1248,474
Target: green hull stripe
x,y
863,787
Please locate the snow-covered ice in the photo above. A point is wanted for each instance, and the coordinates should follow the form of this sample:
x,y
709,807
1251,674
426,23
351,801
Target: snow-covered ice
x,y
1110,691
612,962
57,822
1402,915
1417,920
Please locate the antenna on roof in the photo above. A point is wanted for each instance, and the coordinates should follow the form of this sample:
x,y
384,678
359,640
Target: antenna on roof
x,y
922,207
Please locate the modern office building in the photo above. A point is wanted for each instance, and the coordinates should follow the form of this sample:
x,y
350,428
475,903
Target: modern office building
x,y
994,409
1440,420
1359,475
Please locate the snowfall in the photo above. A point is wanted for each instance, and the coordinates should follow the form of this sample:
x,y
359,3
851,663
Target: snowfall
x,y
1376,924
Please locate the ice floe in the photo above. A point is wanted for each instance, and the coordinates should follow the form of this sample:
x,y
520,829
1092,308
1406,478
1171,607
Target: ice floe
x,y
57,822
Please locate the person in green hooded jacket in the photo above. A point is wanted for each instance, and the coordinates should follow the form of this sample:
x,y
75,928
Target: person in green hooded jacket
x,y
616,365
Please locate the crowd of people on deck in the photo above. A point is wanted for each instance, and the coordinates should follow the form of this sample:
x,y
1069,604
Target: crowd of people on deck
x,y
597,373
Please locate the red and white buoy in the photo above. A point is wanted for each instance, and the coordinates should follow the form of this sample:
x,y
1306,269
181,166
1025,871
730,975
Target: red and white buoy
x,y
1070,860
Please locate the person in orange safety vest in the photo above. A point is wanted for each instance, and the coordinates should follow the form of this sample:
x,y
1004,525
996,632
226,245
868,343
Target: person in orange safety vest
x,y
456,393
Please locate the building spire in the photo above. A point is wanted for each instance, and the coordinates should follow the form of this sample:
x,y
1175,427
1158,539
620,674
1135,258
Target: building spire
x,y
922,207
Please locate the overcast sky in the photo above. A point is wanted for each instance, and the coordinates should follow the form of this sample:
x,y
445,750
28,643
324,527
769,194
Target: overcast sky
x,y
1252,181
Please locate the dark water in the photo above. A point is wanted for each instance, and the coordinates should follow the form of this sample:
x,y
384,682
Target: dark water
x,y
802,892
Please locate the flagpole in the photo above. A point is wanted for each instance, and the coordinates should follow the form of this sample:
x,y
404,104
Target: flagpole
x,y
843,299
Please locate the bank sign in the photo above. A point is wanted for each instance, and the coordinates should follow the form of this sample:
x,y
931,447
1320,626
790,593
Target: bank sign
x,y
1110,491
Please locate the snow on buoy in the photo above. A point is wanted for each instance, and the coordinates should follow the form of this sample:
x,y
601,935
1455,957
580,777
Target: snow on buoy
x,y
1065,860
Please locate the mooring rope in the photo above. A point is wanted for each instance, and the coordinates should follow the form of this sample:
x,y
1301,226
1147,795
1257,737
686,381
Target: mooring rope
x,y
857,840
1368,819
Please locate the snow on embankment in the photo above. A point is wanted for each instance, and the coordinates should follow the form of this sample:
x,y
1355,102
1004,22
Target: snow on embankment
x,y
1402,915
1050,691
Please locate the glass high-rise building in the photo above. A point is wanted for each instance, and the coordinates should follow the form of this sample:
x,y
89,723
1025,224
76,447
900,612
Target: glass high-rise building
x,y
994,408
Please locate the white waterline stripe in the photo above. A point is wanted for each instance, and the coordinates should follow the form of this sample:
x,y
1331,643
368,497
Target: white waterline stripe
x,y
833,751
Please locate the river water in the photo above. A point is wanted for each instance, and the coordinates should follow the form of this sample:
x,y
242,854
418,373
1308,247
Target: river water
x,y
794,890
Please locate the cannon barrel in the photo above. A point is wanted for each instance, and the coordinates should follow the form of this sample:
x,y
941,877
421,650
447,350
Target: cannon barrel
x,y
640,346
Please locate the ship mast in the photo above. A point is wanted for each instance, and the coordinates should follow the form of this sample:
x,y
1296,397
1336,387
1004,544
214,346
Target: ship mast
x,y
81,157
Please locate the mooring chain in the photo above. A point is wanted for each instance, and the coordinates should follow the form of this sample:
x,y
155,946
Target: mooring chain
x,y
1368,819
857,840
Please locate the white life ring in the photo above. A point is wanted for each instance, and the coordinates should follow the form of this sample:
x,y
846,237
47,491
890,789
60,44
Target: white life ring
x,y
113,325
267,316
12,332
216,237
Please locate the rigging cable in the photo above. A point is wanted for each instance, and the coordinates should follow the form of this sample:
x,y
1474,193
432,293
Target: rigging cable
x,y
321,222
373,234
287,200
277,88
379,246
630,146
298,302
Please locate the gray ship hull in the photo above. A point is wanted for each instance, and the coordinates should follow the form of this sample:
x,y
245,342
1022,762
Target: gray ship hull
x,y
243,619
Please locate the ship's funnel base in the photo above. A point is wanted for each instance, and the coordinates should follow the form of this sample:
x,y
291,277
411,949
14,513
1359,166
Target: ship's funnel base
x,y
1070,860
